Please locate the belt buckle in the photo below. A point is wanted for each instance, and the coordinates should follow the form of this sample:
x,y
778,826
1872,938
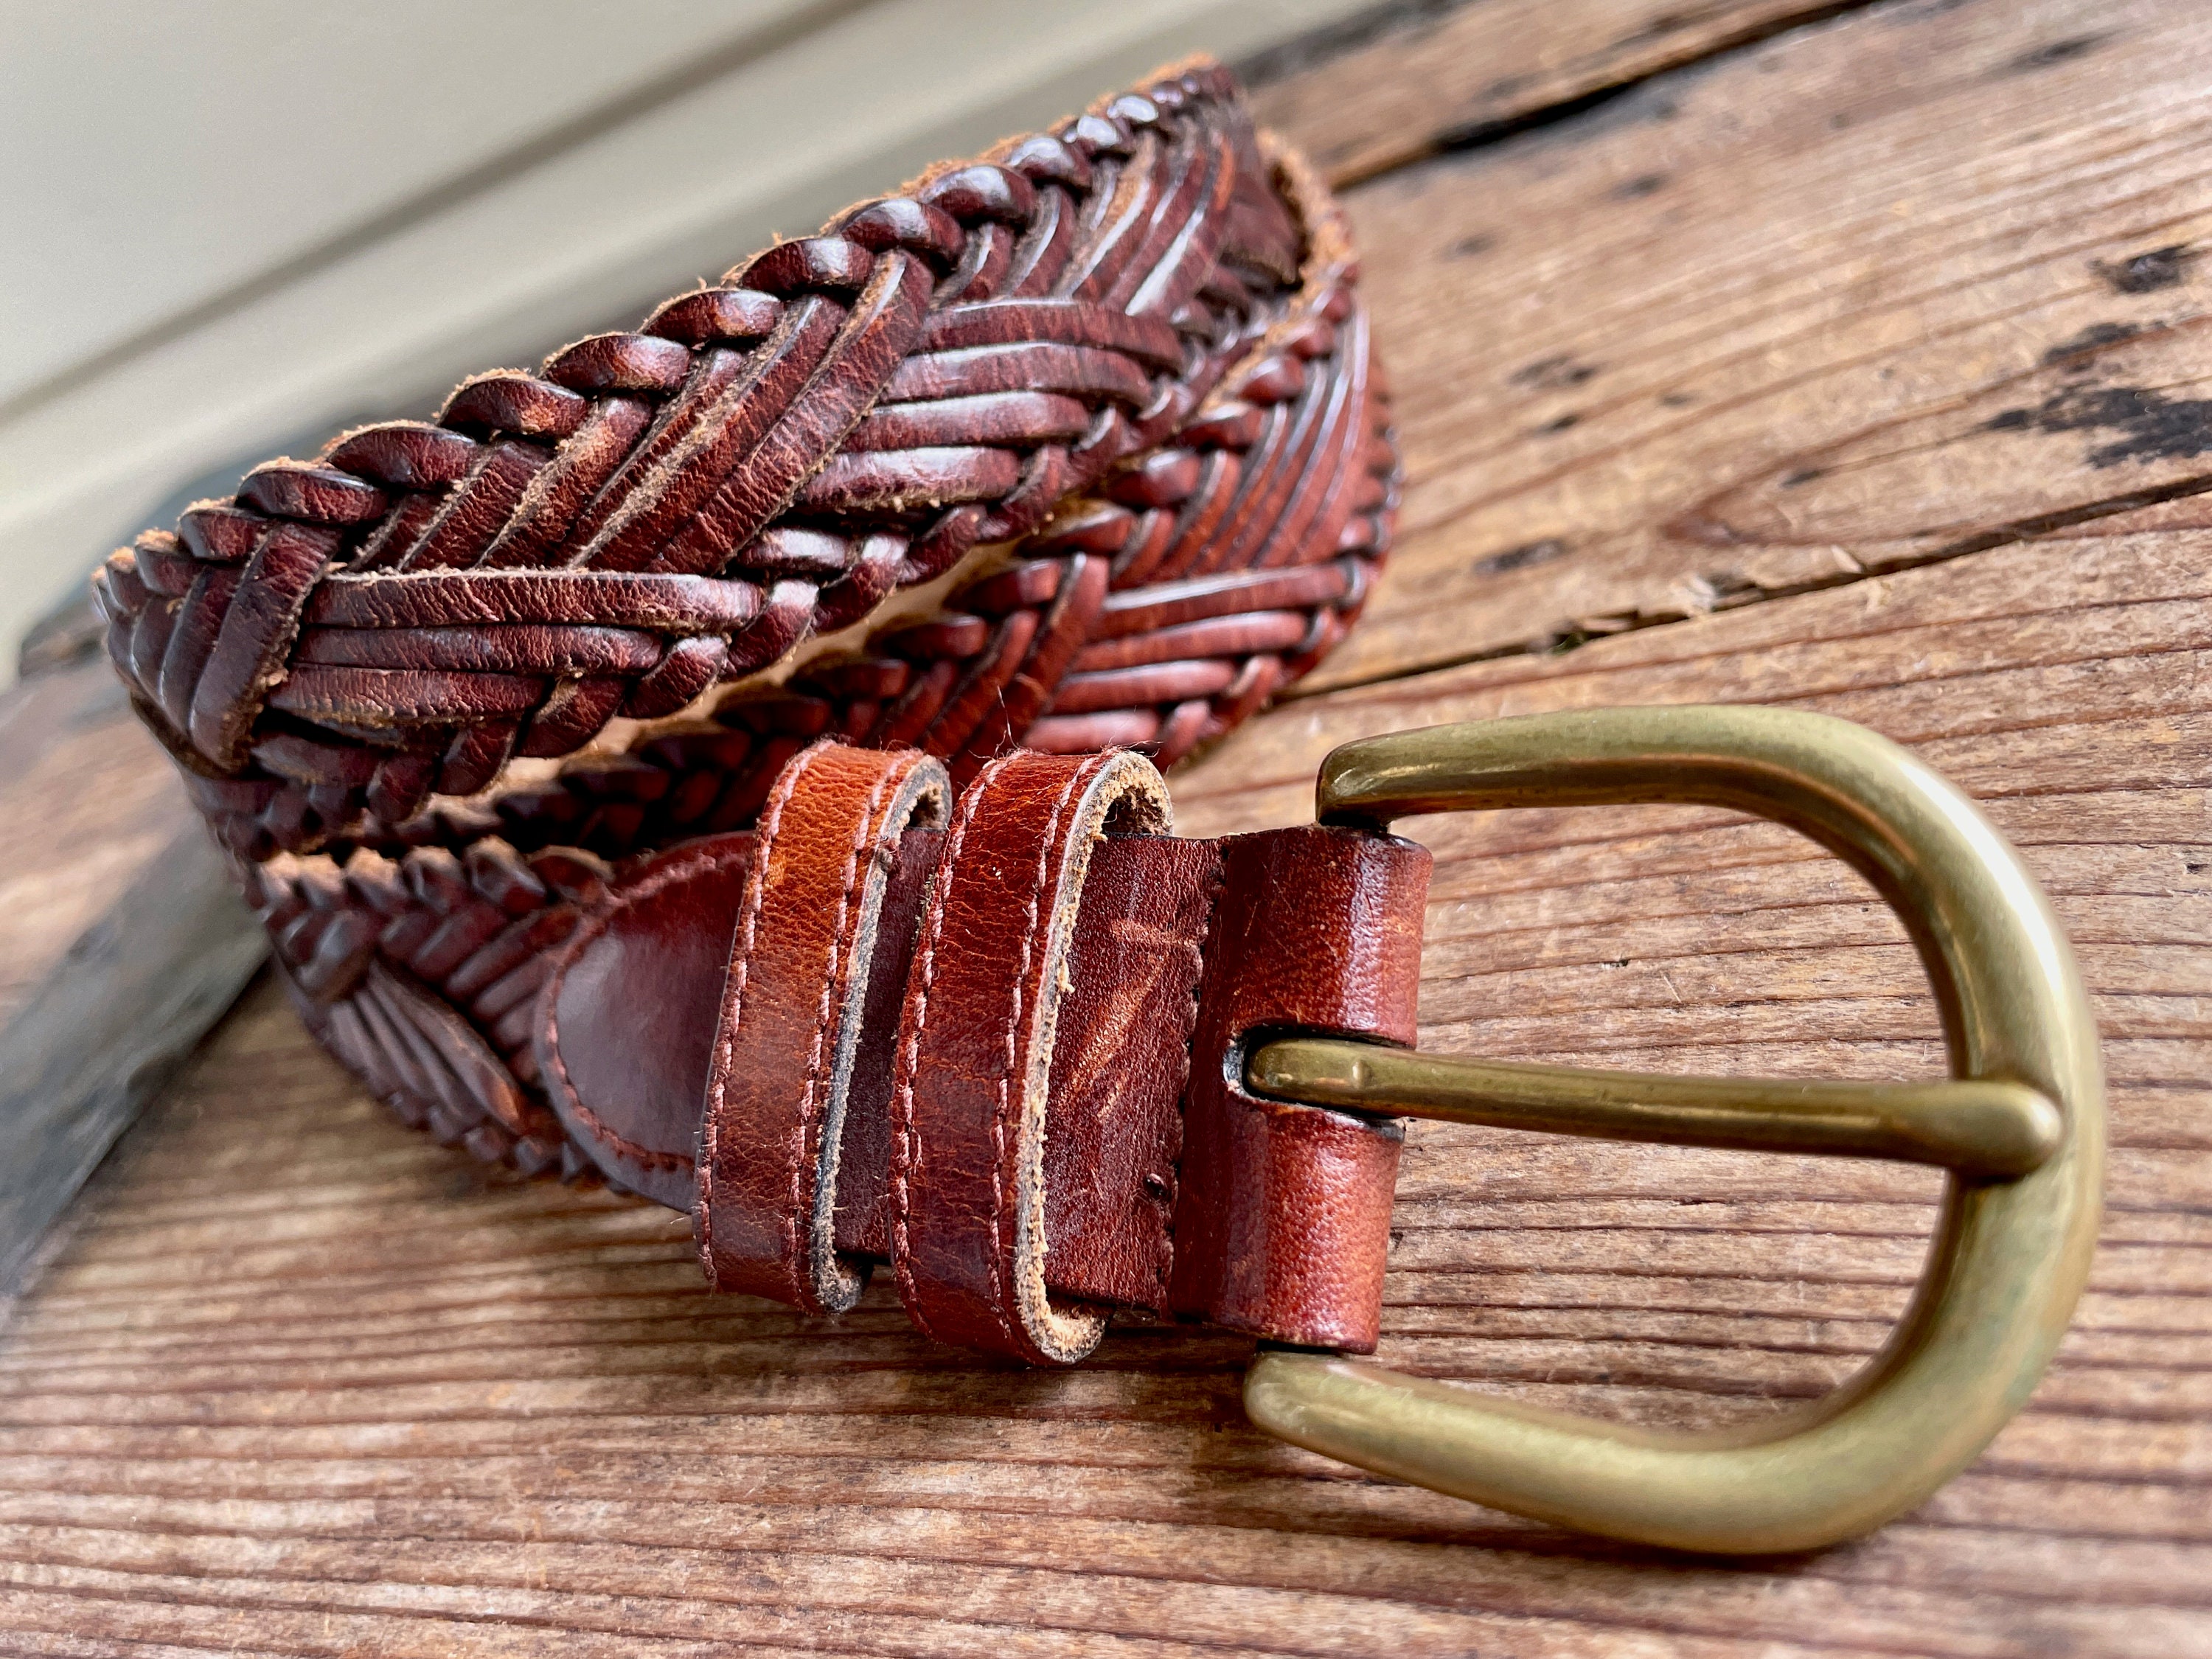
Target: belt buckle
x,y
2020,1130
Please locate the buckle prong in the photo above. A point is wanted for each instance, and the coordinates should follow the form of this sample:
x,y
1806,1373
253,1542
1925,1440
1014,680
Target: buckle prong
x,y
2018,1128
1980,1127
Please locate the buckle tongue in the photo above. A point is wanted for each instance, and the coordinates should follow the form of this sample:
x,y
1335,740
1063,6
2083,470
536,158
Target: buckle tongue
x,y
2019,1128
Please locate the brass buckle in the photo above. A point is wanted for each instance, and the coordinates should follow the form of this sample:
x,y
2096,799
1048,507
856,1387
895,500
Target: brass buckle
x,y
2019,1128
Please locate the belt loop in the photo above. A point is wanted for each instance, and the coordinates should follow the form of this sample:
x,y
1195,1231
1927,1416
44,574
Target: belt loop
x,y
1283,1220
975,1048
773,1125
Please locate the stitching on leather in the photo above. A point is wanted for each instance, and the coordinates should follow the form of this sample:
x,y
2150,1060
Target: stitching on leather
x,y
810,1116
591,927
731,1014
924,975
1215,882
1002,1270
651,1158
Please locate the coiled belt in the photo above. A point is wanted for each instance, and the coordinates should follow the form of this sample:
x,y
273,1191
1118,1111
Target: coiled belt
x,y
1077,446
724,764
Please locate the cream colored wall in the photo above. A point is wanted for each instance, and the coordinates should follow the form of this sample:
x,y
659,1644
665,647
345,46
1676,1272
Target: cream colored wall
x,y
234,227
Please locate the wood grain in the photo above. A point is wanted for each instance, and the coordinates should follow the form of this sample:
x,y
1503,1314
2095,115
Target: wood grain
x,y
132,997
88,798
120,942
1429,77
1918,280
301,1383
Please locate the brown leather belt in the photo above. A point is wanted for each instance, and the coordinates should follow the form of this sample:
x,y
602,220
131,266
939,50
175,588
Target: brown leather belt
x,y
996,1041
1078,447
883,952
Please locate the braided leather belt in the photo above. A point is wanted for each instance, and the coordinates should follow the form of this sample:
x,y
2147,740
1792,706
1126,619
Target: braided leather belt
x,y
1078,446
717,765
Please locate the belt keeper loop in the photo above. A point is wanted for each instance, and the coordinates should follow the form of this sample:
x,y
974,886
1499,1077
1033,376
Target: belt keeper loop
x,y
1283,1215
772,1123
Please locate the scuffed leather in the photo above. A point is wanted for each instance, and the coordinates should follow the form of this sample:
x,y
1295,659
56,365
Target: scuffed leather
x,y
1036,1039
972,1093
771,1132
1283,1221
1121,1057
864,1185
627,1017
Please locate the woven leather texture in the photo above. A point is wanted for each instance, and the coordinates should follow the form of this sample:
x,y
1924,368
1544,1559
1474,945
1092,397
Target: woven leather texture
x,y
433,686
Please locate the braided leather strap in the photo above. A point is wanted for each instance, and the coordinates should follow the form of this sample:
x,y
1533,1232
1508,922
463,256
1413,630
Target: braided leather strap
x,y
1078,446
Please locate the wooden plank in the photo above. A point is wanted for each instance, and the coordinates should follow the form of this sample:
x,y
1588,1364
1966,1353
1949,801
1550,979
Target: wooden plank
x,y
121,940
1403,82
299,1382
293,1357
1918,280
90,800
109,1025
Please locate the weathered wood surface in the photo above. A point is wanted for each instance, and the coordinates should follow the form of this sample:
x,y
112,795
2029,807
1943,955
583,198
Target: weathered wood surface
x,y
1433,78
86,799
1915,280
303,1382
120,943
129,1001
300,1383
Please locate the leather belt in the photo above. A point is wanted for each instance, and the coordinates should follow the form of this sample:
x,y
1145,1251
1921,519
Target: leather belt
x,y
710,765
994,1041
1075,446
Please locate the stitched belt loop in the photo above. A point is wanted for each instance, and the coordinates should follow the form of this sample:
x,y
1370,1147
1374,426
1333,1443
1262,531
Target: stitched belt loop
x,y
969,1105
1282,1222
773,1119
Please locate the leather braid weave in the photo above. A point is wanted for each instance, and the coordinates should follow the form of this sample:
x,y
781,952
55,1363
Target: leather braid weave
x,y
1127,353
